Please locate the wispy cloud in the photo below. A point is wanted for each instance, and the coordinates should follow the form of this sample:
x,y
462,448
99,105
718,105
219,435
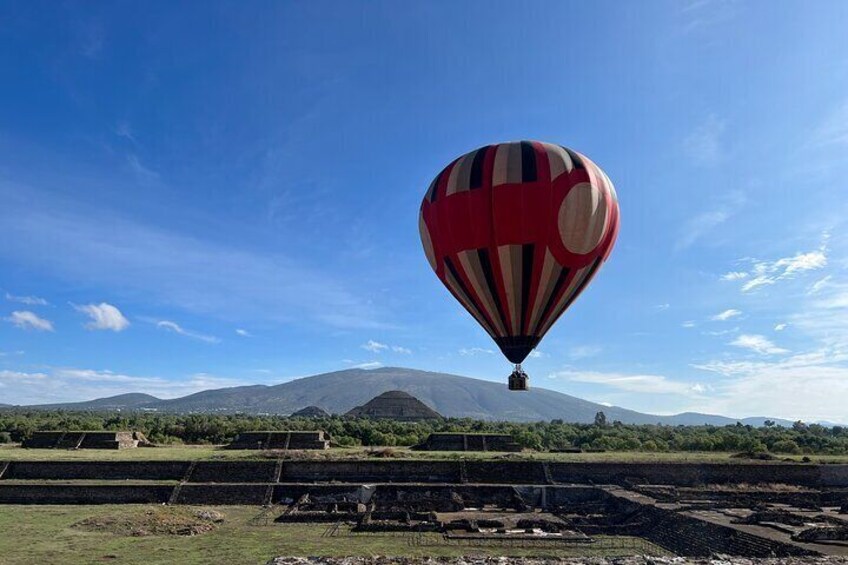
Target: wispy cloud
x,y
726,315
124,130
28,300
243,332
766,273
374,346
705,222
71,384
401,349
757,343
817,286
583,351
26,320
472,351
369,365
811,386
833,130
202,277
103,317
140,170
734,276
780,327
177,329
648,384
703,15
688,324
703,145
21,377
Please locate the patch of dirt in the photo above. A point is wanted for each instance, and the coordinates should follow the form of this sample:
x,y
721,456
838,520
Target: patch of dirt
x,y
165,521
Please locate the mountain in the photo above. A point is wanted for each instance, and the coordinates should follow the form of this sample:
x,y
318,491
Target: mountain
x,y
450,395
129,401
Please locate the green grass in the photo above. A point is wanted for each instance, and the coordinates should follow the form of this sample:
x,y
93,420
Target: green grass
x,y
42,534
199,452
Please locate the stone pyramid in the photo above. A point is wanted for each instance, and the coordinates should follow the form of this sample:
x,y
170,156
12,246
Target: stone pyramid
x,y
395,405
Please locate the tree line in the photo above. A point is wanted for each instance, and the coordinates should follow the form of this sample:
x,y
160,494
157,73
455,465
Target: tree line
x,y
162,428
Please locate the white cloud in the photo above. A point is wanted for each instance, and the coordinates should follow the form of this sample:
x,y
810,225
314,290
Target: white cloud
x,y
399,349
688,324
536,354
780,327
726,315
28,300
734,276
103,317
369,365
766,273
663,307
648,384
809,386
705,222
475,351
757,343
177,329
19,376
703,144
27,320
584,351
374,346
243,332
69,384
817,286
722,332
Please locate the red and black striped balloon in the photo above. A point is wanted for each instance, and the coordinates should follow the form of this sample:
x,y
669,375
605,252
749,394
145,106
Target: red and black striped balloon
x,y
516,231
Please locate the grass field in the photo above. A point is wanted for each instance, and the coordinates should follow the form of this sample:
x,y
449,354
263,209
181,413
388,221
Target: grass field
x,y
185,453
42,534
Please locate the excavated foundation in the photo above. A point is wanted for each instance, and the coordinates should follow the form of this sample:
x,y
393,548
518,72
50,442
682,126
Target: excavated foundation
x,y
690,510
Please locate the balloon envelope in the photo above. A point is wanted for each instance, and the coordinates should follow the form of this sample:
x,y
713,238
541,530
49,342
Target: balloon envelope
x,y
516,231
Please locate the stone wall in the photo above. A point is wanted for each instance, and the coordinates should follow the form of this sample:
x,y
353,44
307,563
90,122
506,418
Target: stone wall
x,y
223,494
469,442
84,494
97,470
233,472
462,471
281,440
83,440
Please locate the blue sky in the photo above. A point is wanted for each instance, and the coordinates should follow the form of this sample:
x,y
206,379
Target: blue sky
x,y
212,194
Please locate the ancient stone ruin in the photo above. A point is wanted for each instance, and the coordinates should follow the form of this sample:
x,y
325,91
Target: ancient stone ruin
x,y
688,509
311,412
281,440
395,405
468,442
85,440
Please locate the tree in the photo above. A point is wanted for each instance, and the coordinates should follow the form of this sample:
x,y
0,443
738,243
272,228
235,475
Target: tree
x,y
601,420
769,423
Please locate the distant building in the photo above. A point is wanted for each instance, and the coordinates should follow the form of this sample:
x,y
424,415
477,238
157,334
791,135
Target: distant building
x,y
281,440
395,405
85,440
468,442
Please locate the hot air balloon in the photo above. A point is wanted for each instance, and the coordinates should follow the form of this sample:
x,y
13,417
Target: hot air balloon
x,y
516,231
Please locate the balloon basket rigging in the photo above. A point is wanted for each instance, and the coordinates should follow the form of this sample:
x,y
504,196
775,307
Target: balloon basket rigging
x,y
518,380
